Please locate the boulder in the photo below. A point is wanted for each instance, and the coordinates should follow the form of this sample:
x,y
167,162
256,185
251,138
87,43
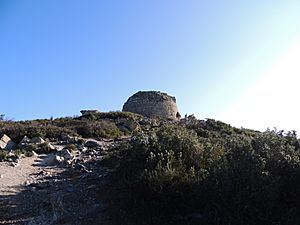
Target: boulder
x,y
92,144
130,125
52,160
59,159
6,143
37,140
66,154
34,153
67,138
81,148
24,142
87,112
51,147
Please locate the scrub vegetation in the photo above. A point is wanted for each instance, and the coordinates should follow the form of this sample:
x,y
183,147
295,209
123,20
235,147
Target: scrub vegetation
x,y
207,172
187,171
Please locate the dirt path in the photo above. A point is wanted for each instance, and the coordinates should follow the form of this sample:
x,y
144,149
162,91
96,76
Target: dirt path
x,y
69,194
13,178
15,204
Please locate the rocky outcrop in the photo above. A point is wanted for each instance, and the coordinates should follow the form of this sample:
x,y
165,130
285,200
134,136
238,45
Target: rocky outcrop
x,y
153,104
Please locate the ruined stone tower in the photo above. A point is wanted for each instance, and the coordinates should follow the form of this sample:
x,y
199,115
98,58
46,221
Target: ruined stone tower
x,y
152,104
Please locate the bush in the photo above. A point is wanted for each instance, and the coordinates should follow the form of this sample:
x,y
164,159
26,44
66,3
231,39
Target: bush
x,y
99,129
243,177
111,116
71,147
163,168
52,129
44,148
17,130
3,155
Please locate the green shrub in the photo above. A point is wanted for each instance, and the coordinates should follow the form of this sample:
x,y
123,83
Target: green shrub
x,y
17,130
99,129
111,115
44,148
52,129
28,153
242,177
71,147
18,152
3,155
31,148
163,168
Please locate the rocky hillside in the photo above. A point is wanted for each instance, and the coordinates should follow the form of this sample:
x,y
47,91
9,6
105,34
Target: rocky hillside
x,y
123,168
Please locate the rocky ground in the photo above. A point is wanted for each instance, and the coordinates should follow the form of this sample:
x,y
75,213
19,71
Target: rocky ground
x,y
63,187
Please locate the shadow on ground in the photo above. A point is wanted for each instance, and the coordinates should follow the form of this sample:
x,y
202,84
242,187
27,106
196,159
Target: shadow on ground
x,y
72,197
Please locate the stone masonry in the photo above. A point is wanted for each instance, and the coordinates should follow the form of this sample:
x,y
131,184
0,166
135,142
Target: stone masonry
x,y
152,104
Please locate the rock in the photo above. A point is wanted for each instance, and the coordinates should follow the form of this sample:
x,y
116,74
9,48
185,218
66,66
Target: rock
x,y
81,167
91,152
152,104
37,140
67,139
50,146
130,125
52,160
58,159
92,144
82,148
11,154
25,140
34,153
46,148
15,163
6,143
66,154
86,112
79,141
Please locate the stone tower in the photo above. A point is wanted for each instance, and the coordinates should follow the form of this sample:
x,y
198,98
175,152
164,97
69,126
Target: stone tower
x,y
152,104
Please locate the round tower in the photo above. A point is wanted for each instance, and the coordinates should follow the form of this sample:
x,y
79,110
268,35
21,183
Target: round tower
x,y
153,104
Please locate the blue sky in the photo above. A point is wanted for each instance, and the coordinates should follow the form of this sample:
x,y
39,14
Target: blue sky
x,y
235,61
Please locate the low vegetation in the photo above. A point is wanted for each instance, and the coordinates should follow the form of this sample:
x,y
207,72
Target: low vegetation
x,y
207,172
187,172
97,125
3,155
112,116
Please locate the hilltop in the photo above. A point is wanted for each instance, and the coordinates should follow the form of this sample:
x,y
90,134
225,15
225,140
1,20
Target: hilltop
x,y
124,168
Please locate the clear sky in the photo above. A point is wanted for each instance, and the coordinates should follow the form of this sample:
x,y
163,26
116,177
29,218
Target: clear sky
x,y
235,61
